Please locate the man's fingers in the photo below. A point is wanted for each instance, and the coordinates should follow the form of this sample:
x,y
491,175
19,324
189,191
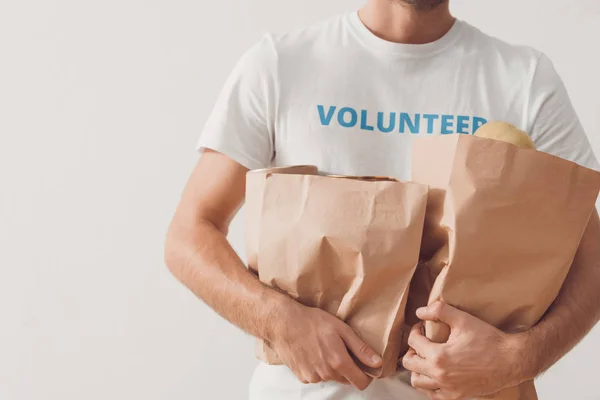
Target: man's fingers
x,y
330,374
355,376
360,349
420,381
443,312
344,365
422,346
309,377
334,376
414,363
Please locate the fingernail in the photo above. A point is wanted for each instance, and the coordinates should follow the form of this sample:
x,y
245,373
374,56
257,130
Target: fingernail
x,y
375,359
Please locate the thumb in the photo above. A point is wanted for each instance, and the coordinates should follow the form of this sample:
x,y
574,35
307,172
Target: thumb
x,y
443,312
360,349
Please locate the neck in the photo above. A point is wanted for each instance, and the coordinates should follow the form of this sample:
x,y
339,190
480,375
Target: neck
x,y
395,21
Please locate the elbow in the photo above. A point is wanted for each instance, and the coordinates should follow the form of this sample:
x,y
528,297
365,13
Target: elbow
x,y
172,252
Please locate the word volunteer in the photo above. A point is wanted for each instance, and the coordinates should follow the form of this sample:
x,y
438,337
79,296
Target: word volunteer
x,y
400,122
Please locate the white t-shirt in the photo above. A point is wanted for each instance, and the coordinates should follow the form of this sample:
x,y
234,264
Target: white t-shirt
x,y
336,96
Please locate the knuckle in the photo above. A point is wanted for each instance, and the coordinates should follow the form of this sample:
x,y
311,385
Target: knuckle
x,y
330,331
414,332
299,375
328,377
336,362
441,375
405,362
328,374
437,308
314,378
303,377
439,359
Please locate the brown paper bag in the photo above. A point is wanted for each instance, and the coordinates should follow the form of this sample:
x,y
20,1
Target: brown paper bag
x,y
503,225
347,246
255,184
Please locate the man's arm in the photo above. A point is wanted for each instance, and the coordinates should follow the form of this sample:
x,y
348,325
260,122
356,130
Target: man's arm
x,y
310,341
573,314
556,129
198,254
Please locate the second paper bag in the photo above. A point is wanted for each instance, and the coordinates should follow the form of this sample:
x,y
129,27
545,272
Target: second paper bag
x,y
502,228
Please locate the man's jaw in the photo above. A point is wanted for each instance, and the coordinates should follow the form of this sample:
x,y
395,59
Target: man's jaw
x,y
422,5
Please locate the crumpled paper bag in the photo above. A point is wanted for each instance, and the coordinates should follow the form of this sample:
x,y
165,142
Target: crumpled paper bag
x,y
347,246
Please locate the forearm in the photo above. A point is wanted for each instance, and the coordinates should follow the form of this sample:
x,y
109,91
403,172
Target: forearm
x,y
203,260
575,311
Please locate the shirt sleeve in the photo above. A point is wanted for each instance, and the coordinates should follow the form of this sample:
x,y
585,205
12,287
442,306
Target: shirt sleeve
x,y
555,127
242,121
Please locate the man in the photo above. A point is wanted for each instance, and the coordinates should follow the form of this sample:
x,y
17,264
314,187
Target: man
x,y
348,95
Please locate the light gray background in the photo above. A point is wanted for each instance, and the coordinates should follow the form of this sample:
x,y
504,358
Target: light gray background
x,y
101,103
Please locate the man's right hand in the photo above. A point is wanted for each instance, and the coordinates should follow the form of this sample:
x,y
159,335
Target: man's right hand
x,y
315,345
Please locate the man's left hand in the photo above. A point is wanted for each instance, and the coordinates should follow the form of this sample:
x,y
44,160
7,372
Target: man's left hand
x,y
477,360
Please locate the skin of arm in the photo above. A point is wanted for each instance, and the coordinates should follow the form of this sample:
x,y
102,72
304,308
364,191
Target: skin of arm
x,y
312,343
479,359
574,313
197,251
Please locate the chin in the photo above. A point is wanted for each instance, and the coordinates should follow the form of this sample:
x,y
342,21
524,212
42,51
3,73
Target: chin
x,y
424,4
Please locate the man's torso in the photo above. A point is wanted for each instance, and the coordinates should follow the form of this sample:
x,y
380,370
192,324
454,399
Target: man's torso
x,y
352,108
